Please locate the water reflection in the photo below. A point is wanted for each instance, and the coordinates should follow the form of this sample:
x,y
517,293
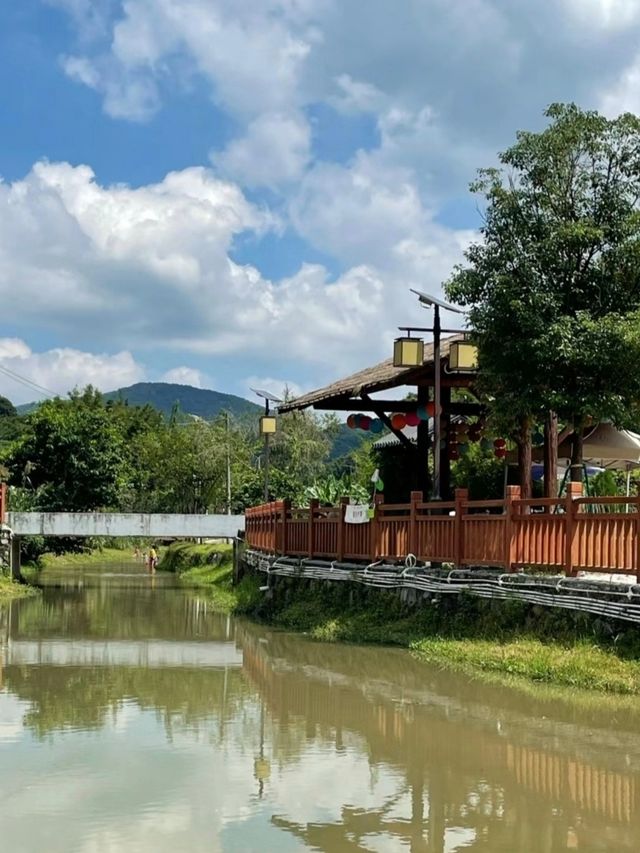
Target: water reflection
x,y
180,729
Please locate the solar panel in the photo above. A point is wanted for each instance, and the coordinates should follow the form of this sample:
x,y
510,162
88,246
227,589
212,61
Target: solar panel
x,y
427,299
266,395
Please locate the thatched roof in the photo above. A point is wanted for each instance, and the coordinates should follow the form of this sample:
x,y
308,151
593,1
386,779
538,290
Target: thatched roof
x,y
380,377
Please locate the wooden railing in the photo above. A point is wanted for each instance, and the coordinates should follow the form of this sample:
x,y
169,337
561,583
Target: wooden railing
x,y
563,534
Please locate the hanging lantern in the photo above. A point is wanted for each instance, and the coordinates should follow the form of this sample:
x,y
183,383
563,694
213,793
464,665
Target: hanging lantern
x,y
486,444
431,408
500,452
463,355
408,352
412,419
365,422
499,443
351,421
453,453
422,413
398,421
376,425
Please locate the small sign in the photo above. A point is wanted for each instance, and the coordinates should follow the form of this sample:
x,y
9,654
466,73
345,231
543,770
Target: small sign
x,y
356,514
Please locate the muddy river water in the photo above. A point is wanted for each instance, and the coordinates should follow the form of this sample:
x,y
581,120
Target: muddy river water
x,y
134,719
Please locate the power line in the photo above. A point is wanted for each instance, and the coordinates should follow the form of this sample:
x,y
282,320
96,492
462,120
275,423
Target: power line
x,y
28,383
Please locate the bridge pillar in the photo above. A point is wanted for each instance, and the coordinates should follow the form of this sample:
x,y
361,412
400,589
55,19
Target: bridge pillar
x,y
16,574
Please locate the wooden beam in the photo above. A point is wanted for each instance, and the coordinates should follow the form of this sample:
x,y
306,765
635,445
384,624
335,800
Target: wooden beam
x,y
369,405
402,438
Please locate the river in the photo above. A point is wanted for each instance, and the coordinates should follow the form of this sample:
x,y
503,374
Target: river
x,y
133,719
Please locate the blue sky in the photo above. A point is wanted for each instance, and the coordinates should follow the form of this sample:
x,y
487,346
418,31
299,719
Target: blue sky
x,y
224,193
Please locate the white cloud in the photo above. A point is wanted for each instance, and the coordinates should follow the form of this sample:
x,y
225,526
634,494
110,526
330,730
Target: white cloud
x,y
275,150
149,267
60,370
185,376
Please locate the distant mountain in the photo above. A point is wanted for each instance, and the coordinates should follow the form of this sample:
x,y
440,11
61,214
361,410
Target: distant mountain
x,y
192,401
204,404
164,396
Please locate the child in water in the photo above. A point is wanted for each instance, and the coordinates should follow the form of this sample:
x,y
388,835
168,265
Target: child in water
x,y
153,559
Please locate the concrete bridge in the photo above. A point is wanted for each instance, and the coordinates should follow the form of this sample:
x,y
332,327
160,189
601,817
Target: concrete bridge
x,y
130,524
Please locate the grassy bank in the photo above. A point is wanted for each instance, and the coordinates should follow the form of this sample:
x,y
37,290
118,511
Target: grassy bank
x,y
10,590
503,639
82,560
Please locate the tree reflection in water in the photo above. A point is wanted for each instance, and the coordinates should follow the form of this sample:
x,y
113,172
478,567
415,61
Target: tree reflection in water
x,y
465,766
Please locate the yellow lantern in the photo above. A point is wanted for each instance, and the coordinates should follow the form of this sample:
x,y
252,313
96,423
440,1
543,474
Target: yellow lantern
x,y
268,425
463,355
408,352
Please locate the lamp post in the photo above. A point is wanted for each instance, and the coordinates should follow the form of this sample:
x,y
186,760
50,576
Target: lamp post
x,y
268,427
407,354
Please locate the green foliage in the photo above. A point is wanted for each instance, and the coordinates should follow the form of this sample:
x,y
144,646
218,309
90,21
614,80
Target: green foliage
x,y
480,472
7,409
330,489
72,454
554,286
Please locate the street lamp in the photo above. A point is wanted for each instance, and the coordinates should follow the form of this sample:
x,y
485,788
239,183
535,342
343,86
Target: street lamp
x,y
429,301
268,427
408,351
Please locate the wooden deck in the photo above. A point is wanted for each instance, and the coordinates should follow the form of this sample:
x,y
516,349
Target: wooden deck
x,y
570,535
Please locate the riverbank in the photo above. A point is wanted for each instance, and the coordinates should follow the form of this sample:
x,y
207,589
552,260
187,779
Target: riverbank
x,y
504,638
10,590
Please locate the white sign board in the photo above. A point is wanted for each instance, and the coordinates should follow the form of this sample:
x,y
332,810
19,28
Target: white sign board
x,y
356,514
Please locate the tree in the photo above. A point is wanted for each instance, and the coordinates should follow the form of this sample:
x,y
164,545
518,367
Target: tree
x,y
553,287
7,409
73,452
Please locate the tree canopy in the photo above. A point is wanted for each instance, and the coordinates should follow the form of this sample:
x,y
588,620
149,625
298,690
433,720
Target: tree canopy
x,y
553,286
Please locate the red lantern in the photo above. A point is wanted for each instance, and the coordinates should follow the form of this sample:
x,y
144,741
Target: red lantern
x,y
351,421
365,422
412,419
398,421
499,443
431,408
454,453
500,452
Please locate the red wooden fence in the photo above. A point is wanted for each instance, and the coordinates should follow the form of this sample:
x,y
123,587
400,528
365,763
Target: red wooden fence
x,y
563,534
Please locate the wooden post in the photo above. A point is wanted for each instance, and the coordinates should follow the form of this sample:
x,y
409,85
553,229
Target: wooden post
x,y
3,502
636,553
445,462
423,478
551,456
415,499
16,572
524,457
461,497
285,506
374,529
314,503
513,494
342,528
574,490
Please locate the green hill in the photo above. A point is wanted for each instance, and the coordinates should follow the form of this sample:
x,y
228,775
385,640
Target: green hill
x,y
165,395
193,401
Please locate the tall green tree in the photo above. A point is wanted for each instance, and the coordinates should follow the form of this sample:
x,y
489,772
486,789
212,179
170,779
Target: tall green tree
x,y
73,454
553,286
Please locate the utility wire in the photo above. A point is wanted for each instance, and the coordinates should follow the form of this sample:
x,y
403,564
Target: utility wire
x,y
23,380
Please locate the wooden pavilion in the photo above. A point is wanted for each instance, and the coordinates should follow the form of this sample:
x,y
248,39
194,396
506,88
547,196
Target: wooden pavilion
x,y
355,393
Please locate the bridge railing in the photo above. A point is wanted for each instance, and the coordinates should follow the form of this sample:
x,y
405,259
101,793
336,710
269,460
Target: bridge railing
x,y
557,534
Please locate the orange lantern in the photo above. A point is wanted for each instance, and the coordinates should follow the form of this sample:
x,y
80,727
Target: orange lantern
x,y
398,421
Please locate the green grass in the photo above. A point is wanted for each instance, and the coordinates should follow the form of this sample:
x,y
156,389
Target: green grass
x,y
10,590
84,559
210,568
